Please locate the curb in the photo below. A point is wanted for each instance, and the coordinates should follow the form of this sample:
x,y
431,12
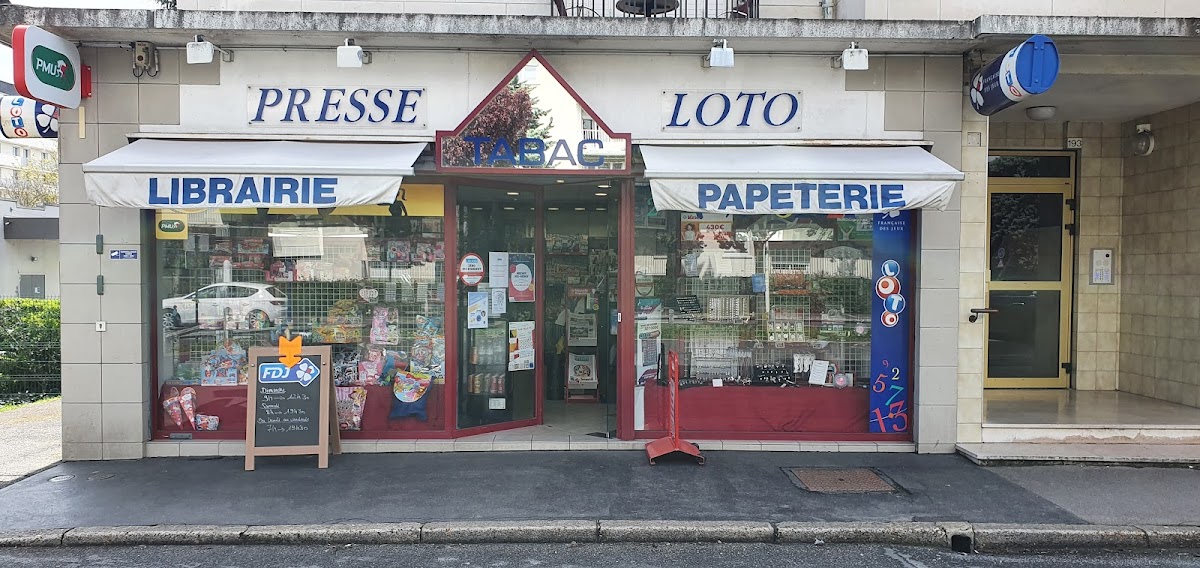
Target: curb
x,y
958,536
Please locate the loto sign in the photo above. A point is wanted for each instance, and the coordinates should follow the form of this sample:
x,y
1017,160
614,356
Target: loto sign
x,y
47,67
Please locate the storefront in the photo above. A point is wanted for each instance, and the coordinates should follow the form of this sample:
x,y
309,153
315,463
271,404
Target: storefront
x,y
532,265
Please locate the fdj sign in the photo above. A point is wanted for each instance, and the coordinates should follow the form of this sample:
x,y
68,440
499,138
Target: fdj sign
x,y
741,110
53,68
22,117
304,372
533,152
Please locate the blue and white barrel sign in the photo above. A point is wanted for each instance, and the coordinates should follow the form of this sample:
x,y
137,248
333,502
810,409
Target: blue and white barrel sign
x,y
23,117
1026,70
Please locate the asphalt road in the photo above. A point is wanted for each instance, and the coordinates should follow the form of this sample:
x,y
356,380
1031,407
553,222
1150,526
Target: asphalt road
x,y
558,555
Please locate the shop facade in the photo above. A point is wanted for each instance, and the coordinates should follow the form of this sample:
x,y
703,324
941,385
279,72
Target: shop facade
x,y
557,222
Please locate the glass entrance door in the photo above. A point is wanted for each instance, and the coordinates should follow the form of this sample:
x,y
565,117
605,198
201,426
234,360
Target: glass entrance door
x,y
1029,271
498,311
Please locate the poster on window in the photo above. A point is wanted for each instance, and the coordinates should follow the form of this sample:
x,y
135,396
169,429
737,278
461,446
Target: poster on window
x,y
521,268
705,230
891,323
521,350
582,330
581,372
477,310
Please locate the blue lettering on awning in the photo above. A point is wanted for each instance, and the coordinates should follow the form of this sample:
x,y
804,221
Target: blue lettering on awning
x,y
827,196
265,190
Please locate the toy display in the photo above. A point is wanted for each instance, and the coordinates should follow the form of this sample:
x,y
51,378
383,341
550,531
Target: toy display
x,y
207,422
350,404
385,326
343,324
225,365
173,409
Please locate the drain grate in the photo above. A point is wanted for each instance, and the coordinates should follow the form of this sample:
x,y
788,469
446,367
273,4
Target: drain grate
x,y
828,480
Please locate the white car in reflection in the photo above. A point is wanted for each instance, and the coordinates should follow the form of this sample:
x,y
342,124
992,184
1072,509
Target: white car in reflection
x,y
242,305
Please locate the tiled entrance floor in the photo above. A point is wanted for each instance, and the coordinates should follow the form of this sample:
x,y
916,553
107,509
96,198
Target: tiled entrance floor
x,y
1084,426
1097,409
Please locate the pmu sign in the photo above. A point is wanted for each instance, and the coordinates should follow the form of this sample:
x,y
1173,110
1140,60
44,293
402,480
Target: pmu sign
x,y
46,67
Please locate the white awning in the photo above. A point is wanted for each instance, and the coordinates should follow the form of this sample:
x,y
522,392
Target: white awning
x,y
753,180
169,174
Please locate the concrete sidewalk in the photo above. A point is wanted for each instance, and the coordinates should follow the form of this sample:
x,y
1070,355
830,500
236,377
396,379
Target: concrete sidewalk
x,y
30,439
734,486
542,494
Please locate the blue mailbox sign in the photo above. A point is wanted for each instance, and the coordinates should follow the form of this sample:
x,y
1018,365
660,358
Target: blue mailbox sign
x,y
1026,70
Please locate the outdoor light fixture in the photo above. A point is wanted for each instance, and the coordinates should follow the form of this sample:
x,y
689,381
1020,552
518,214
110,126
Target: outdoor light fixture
x,y
852,58
201,51
720,55
351,55
1040,113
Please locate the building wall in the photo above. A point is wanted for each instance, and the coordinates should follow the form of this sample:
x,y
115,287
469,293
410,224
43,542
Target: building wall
x,y
106,380
1098,218
1160,306
106,397
844,9
971,9
767,8
923,97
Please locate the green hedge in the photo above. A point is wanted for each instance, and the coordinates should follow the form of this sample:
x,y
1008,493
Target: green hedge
x,y
30,353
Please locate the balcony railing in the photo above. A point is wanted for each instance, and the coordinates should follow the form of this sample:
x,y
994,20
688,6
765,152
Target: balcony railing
x,y
728,9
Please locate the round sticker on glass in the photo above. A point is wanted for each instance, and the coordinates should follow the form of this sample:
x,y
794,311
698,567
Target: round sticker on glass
x,y
471,269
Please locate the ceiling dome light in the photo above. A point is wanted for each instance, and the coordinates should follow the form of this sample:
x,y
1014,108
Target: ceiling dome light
x,y
1041,113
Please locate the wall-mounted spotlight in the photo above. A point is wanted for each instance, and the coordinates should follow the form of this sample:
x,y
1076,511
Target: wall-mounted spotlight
x,y
852,58
201,51
351,55
720,55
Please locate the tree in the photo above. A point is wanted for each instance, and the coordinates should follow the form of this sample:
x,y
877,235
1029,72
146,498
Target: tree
x,y
35,184
512,114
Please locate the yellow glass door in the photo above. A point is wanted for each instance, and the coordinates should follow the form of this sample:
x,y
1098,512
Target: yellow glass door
x,y
1028,312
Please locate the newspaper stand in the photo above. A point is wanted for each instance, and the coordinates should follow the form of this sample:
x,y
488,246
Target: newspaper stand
x,y
672,443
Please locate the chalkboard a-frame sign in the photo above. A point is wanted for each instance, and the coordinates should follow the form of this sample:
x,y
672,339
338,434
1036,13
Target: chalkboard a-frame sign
x,y
291,409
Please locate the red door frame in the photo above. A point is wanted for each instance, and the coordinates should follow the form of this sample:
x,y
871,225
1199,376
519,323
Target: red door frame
x,y
626,346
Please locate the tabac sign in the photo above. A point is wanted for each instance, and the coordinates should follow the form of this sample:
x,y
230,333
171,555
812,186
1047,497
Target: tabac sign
x,y
46,67
533,122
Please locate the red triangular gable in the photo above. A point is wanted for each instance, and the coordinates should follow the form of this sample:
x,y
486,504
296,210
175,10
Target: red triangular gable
x,y
533,122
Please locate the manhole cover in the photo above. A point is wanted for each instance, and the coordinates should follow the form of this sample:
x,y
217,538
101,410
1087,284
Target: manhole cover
x,y
61,478
826,480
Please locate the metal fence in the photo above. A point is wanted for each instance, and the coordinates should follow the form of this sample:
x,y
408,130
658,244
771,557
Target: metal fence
x,y
730,9
30,350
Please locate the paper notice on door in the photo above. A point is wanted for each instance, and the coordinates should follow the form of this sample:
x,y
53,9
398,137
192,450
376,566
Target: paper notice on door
x,y
499,300
521,350
498,269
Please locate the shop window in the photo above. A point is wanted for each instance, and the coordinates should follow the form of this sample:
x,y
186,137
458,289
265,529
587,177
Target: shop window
x,y
773,319
369,281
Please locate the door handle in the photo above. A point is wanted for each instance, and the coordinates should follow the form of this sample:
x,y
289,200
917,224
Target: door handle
x,y
976,311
